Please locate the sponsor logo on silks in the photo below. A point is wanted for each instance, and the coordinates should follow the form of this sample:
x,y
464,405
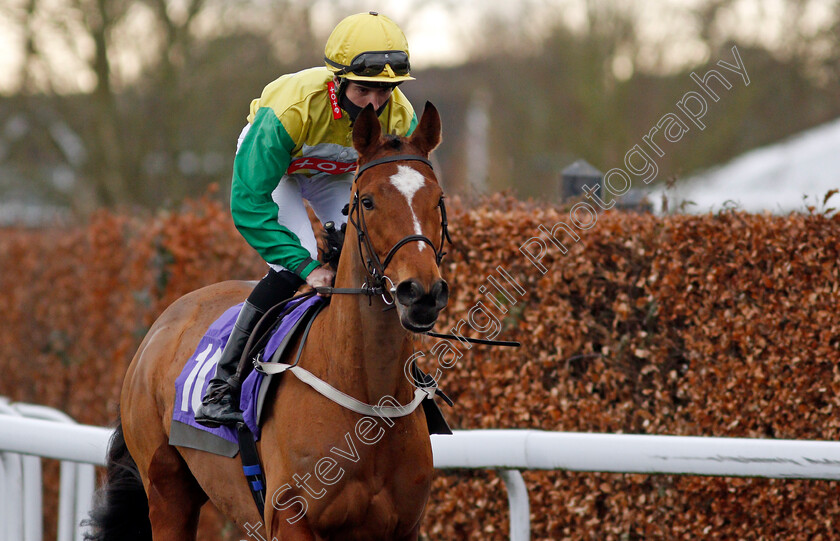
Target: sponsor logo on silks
x,y
324,166
336,110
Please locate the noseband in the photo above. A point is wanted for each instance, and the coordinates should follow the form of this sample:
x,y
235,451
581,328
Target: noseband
x,y
375,267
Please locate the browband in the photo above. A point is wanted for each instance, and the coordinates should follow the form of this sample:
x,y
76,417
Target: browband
x,y
397,158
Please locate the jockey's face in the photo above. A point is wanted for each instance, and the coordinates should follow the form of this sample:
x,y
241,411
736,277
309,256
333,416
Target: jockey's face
x,y
361,96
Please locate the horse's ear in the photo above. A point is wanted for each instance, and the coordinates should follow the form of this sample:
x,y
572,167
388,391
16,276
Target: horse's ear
x,y
366,130
427,134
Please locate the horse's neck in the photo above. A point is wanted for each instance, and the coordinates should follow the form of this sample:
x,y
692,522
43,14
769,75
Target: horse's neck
x,y
371,342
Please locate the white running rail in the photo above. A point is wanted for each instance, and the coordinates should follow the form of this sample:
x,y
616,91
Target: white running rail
x,y
509,451
21,513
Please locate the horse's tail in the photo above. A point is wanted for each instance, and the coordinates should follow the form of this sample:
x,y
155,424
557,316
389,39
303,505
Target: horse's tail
x,y
121,509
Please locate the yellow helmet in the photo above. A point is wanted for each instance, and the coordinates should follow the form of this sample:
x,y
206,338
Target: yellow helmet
x,y
368,47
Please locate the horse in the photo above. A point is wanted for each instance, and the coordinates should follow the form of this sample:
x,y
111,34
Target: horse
x,y
357,344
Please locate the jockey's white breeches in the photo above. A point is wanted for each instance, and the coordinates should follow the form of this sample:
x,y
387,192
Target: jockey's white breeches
x,y
326,194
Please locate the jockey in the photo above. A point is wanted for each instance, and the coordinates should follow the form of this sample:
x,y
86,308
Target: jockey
x,y
298,145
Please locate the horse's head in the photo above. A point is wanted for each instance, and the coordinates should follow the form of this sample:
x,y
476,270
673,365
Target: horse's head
x,y
397,214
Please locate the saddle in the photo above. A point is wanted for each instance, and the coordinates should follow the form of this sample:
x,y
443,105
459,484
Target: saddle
x,y
292,323
198,370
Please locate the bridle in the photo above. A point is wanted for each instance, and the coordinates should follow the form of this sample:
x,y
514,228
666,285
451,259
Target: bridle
x,y
377,281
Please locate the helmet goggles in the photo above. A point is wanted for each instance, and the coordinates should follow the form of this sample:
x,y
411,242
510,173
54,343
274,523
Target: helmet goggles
x,y
372,63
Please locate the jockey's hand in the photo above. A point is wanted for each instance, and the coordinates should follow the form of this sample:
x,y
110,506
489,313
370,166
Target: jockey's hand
x,y
321,277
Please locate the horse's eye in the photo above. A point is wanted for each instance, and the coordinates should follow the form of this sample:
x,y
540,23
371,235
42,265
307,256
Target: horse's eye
x,y
367,202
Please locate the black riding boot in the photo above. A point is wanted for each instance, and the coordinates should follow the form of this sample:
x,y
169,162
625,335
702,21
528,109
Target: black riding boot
x,y
217,406
220,404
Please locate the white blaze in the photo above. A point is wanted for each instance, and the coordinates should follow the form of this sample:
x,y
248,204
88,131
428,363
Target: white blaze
x,y
408,181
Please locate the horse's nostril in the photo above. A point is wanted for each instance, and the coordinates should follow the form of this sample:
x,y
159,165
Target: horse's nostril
x,y
440,292
412,293
409,292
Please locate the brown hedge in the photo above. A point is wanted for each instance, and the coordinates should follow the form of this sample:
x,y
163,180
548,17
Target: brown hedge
x,y
717,325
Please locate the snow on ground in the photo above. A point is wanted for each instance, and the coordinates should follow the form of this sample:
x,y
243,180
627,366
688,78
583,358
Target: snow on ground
x,y
772,178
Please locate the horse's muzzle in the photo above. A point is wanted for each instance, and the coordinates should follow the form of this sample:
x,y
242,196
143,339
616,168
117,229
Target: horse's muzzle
x,y
419,308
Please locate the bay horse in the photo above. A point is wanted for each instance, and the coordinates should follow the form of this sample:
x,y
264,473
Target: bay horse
x,y
377,491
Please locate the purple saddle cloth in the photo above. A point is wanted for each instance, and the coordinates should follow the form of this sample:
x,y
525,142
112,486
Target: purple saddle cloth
x,y
191,384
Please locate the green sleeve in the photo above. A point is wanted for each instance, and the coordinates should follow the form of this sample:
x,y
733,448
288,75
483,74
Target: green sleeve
x,y
260,163
412,125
